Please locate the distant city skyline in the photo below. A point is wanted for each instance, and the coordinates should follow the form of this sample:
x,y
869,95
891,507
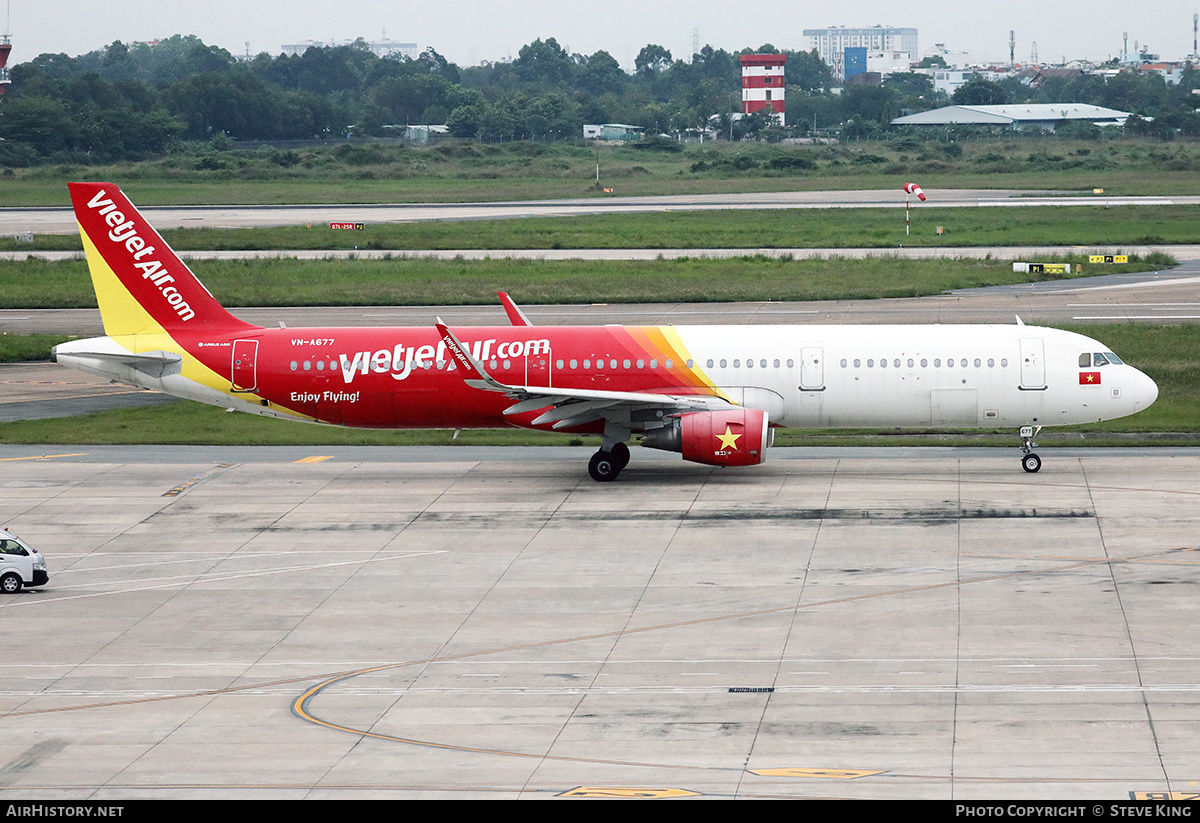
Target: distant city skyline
x,y
469,31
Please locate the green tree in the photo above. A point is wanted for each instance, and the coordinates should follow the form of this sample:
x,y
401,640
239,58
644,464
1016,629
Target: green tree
x,y
42,123
544,61
979,92
602,73
465,121
807,70
652,59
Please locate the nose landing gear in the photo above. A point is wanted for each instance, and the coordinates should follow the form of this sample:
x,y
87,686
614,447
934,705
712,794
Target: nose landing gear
x,y
1030,462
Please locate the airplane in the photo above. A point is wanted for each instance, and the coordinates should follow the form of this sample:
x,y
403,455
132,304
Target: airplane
x,y
714,394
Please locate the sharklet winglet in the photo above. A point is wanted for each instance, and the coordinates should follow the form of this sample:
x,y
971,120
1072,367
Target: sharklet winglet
x,y
475,375
515,315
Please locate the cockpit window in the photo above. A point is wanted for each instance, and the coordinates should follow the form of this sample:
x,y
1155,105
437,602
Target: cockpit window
x,y
1099,359
1085,360
1112,358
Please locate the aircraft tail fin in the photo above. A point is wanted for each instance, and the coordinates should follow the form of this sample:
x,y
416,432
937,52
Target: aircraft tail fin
x,y
141,284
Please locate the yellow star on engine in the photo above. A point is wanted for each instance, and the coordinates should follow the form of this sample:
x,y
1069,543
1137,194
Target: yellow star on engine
x,y
728,439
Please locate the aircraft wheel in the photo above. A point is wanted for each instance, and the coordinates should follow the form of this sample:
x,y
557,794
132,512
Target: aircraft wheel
x,y
1031,462
620,453
604,467
10,584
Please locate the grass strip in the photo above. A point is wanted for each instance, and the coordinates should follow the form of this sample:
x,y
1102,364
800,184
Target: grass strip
x,y
39,283
748,229
376,172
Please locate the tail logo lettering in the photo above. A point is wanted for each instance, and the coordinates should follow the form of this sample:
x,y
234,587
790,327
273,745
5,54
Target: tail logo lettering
x,y
124,232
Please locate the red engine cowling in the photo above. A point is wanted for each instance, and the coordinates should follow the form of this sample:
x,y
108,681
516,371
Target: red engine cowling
x,y
732,437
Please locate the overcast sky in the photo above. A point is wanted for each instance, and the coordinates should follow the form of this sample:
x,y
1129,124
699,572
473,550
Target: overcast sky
x,y
469,31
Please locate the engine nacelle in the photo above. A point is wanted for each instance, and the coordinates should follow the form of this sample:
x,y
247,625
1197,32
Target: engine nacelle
x,y
731,437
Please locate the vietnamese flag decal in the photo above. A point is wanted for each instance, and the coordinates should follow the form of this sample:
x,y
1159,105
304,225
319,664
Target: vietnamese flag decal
x,y
1089,378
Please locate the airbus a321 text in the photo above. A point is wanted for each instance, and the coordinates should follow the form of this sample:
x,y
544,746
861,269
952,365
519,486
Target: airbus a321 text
x,y
712,393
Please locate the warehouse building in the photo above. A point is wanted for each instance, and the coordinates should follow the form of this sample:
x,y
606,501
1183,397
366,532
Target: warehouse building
x,y
1022,116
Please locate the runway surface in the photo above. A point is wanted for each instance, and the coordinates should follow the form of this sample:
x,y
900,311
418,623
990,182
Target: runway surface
x,y
464,622
62,221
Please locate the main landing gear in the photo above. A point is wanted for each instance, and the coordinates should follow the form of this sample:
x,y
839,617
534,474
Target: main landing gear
x,y
606,465
1030,462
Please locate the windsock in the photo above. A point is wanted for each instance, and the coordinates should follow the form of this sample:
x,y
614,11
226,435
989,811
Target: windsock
x,y
913,188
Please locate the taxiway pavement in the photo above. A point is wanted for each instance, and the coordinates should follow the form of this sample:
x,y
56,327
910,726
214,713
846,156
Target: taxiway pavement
x,y
464,622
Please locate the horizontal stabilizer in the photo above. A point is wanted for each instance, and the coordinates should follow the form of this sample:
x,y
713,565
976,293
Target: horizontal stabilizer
x,y
156,364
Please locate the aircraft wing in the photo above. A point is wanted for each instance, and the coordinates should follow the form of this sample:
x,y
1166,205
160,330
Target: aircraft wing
x,y
571,407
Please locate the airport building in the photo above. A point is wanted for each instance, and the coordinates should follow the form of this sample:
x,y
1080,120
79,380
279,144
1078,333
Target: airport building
x,y
1045,116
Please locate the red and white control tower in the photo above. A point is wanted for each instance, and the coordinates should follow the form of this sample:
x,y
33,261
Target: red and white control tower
x,y
762,84
5,48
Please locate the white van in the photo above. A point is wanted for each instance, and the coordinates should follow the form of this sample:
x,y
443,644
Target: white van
x,y
19,565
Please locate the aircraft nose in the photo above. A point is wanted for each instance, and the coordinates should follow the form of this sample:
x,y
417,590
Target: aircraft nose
x,y
1145,391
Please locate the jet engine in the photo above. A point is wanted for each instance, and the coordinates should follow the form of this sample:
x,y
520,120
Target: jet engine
x,y
731,437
